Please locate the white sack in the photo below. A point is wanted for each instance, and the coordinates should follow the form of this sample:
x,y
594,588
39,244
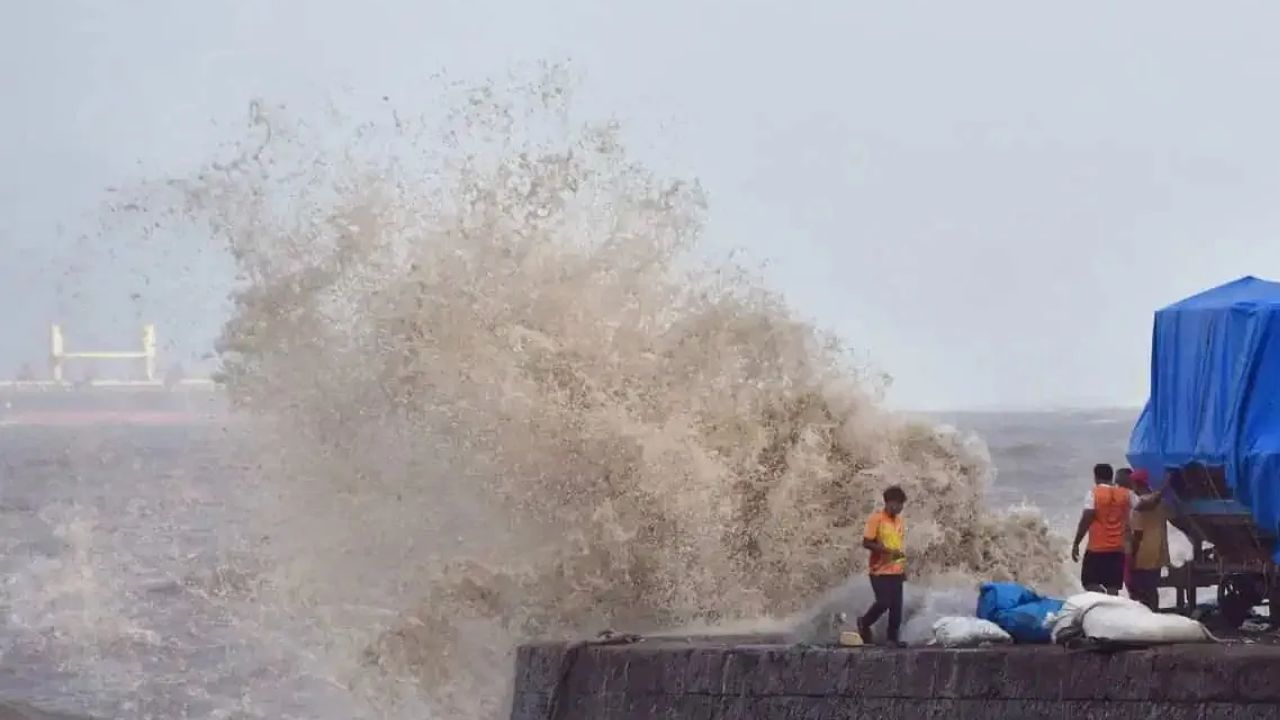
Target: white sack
x,y
1117,619
1070,617
1127,625
967,632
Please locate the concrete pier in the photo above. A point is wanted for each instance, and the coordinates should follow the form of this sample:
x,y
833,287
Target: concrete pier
x,y
701,680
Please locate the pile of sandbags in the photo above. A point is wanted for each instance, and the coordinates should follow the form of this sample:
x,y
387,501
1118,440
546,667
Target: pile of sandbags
x,y
1008,612
1115,620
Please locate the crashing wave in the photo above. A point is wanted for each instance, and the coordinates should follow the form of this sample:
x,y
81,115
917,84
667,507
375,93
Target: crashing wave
x,y
500,397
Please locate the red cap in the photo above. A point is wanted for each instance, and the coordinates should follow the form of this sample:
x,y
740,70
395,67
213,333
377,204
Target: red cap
x,y
1141,477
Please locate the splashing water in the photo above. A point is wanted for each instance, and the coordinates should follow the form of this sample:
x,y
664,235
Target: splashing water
x,y
499,395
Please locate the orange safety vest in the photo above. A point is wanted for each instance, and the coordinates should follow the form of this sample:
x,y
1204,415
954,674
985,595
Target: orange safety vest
x,y
1111,507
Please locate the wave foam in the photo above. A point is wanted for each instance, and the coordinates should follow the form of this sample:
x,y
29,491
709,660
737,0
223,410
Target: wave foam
x,y
500,397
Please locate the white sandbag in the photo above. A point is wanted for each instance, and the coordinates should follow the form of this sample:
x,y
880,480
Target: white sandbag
x,y
1115,623
967,632
1115,619
1068,620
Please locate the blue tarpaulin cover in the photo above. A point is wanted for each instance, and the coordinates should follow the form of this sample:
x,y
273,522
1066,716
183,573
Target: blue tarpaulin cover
x,y
1017,609
1215,393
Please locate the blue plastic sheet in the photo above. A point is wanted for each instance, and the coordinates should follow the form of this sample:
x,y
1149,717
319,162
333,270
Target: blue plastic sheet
x,y
1215,393
996,596
1018,610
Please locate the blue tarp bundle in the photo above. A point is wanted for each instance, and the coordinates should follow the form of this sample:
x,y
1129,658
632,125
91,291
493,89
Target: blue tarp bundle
x,y
1215,393
1018,610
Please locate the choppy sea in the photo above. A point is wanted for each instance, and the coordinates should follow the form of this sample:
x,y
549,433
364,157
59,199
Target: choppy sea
x,y
119,591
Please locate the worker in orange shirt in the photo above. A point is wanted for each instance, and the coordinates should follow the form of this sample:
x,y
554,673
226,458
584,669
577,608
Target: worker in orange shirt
x,y
884,536
1105,520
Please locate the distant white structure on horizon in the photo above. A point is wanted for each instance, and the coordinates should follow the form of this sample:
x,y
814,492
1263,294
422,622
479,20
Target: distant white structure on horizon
x,y
59,356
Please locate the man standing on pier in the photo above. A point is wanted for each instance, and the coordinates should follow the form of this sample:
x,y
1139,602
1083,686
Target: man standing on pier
x,y
1149,545
884,537
1124,479
1105,520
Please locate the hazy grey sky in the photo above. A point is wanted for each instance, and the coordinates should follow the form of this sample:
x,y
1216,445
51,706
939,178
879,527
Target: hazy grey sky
x,y
987,198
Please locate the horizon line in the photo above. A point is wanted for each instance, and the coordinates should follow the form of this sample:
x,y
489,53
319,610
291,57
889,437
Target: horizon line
x,y
1020,408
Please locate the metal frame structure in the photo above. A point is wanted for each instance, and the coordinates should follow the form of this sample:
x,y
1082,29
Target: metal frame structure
x,y
1228,549
59,357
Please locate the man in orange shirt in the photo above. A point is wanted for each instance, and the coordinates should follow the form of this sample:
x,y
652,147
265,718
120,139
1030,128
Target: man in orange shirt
x,y
884,537
1105,520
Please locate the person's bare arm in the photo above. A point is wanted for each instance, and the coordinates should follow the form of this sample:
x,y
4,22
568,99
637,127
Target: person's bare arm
x,y
876,546
1082,529
1147,502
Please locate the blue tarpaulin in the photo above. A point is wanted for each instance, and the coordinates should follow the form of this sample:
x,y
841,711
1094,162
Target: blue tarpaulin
x,y
1017,609
1215,393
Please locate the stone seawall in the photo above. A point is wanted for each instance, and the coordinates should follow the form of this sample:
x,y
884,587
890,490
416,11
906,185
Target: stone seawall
x,y
702,681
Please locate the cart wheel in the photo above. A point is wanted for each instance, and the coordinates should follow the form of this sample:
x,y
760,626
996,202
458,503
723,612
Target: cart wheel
x,y
1236,598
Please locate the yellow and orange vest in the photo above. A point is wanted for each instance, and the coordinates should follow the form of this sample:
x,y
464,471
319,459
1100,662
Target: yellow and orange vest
x,y
890,532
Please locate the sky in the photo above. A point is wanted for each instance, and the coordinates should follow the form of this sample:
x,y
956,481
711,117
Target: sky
x,y
986,199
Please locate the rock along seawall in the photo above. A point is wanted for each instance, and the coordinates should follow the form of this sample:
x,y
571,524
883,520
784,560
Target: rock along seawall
x,y
704,681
